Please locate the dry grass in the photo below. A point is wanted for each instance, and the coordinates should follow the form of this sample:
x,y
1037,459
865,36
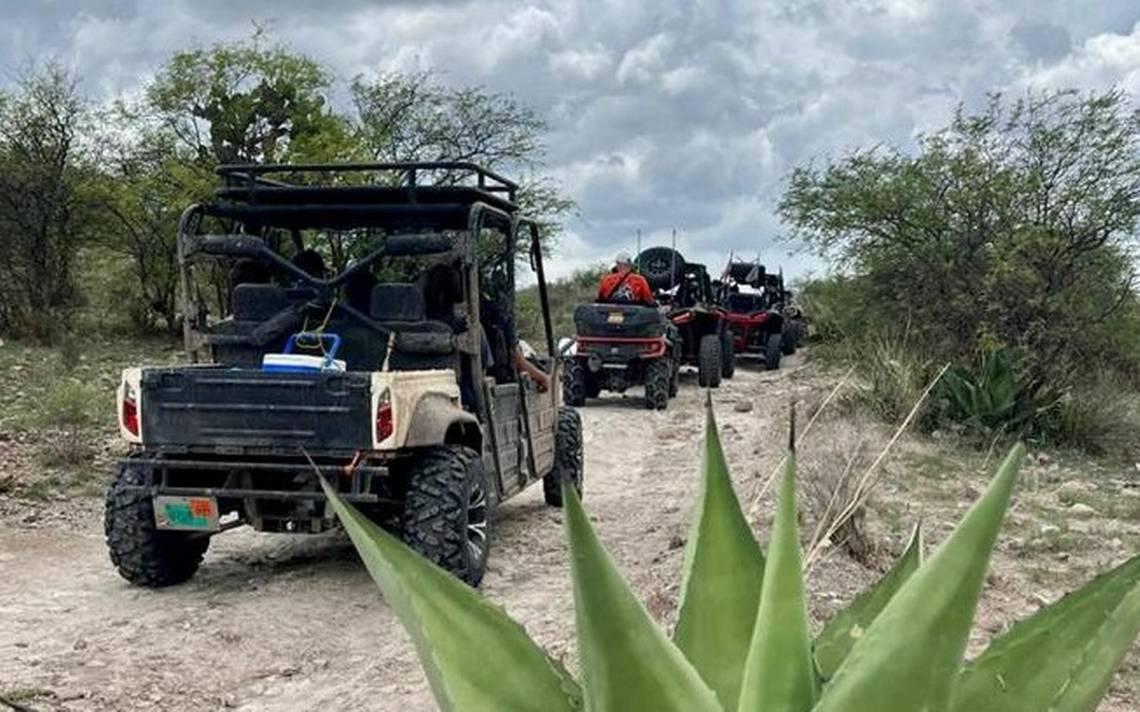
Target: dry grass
x,y
826,471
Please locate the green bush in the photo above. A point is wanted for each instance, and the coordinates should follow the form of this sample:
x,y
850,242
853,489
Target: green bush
x,y
70,404
994,397
900,646
1011,230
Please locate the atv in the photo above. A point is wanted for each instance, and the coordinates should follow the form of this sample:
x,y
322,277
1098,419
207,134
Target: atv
x,y
391,375
617,346
758,307
686,294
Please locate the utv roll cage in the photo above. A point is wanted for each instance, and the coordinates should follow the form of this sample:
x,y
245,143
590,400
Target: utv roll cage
x,y
753,274
411,208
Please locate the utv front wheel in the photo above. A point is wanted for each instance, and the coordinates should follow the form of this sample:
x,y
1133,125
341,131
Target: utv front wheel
x,y
658,380
708,361
772,352
574,382
727,354
144,554
447,512
568,463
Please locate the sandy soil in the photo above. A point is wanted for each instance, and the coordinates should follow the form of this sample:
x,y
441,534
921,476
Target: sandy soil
x,y
287,623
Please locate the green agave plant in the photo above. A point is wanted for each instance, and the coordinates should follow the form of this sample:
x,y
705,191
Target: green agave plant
x,y
742,639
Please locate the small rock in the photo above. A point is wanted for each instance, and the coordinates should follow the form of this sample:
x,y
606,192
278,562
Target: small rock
x,y
1042,459
1082,510
743,406
1050,530
80,644
1041,600
676,542
1116,544
1063,556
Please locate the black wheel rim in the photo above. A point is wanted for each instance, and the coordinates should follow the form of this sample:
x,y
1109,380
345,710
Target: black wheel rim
x,y
477,521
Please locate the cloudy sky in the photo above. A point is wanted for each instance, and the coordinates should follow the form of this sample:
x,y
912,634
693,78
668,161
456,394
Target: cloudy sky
x,y
684,115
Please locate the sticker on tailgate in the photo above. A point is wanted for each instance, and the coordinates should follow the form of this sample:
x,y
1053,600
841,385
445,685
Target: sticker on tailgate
x,y
195,513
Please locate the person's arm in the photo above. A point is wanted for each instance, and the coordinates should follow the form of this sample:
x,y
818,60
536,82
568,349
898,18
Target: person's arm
x,y
540,377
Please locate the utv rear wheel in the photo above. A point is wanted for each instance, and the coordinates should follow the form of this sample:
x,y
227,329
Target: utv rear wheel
x,y
144,554
727,354
788,339
658,377
772,352
708,361
447,512
568,463
574,381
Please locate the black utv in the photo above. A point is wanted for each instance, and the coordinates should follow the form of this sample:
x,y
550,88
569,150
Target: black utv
x,y
348,322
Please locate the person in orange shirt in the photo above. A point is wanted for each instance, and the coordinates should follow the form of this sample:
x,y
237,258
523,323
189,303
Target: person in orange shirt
x,y
624,286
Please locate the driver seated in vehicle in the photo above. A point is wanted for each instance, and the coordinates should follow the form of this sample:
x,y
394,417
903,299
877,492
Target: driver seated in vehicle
x,y
624,286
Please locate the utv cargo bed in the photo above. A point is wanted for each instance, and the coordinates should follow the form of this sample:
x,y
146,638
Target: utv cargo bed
x,y
258,410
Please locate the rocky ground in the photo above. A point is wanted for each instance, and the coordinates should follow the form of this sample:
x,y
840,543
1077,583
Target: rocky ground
x,y
284,623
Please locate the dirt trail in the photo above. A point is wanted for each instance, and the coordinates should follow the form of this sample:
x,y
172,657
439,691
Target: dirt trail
x,y
284,623
273,622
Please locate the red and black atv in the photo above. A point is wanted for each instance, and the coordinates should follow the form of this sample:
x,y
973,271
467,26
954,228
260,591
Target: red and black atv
x,y
758,308
617,346
685,292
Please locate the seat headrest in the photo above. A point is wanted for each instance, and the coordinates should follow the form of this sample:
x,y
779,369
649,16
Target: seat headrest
x,y
397,302
257,302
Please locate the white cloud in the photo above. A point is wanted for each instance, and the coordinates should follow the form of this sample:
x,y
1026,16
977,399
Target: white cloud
x,y
668,115
1103,61
642,63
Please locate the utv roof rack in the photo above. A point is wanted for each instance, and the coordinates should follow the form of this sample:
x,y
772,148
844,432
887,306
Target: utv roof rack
x,y
349,195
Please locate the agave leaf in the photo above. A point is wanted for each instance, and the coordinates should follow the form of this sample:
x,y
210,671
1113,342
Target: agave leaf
x,y
723,572
910,655
475,656
839,635
1061,659
779,675
628,664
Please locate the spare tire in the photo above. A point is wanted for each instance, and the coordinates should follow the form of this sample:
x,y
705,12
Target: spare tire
x,y
662,266
747,273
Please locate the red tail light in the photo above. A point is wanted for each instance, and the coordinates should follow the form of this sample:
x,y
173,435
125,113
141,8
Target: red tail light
x,y
653,349
131,414
384,424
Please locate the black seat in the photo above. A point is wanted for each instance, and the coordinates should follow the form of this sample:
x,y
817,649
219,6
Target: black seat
x,y
420,344
397,302
257,302
257,315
